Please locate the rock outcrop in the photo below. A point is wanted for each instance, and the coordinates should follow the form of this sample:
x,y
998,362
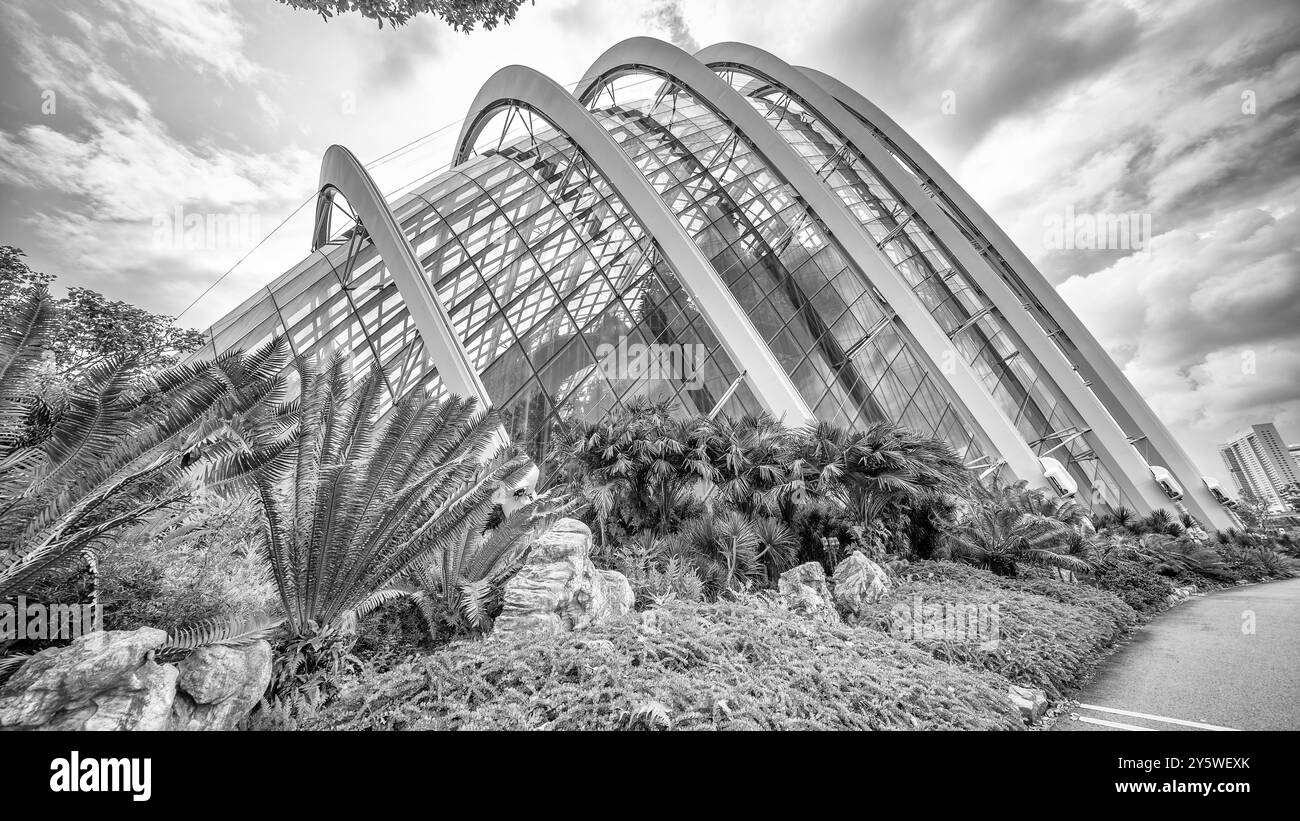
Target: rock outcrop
x,y
858,582
803,589
109,680
559,589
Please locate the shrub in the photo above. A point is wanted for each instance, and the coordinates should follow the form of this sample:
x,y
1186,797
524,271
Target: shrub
x,y
1139,587
1050,634
187,569
728,665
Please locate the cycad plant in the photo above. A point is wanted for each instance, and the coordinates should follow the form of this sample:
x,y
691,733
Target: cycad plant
x,y
116,452
459,591
355,501
1006,528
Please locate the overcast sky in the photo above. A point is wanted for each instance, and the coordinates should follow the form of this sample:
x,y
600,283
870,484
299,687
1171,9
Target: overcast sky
x,y
114,114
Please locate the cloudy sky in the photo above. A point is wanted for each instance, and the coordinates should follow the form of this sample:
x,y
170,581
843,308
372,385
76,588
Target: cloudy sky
x,y
118,115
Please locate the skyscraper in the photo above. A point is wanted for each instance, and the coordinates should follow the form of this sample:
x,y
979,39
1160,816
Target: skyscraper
x,y
1261,463
731,233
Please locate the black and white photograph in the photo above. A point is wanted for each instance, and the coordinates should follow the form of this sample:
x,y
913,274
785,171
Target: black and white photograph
x,y
646,366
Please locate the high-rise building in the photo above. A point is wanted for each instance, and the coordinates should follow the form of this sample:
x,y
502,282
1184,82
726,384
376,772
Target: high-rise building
x,y
1261,464
729,232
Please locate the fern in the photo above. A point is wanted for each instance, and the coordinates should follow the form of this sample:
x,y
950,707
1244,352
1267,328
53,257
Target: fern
x,y
223,632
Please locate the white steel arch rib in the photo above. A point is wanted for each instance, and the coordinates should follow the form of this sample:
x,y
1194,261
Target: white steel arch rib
x,y
658,57
524,87
341,171
1106,439
1103,376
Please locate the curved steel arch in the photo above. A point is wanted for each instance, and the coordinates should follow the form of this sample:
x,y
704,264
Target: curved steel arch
x,y
1103,377
657,57
526,88
1105,436
341,172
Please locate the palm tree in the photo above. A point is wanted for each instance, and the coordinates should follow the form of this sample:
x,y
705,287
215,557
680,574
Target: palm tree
x,y
726,551
751,456
868,470
118,450
1002,531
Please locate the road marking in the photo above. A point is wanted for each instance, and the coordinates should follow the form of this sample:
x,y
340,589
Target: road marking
x,y
1103,722
1150,717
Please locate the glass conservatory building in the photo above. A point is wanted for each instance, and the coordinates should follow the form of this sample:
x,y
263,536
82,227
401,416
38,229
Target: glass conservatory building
x,y
728,232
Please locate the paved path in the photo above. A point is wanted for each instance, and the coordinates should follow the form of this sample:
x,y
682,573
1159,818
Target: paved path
x,y
1229,659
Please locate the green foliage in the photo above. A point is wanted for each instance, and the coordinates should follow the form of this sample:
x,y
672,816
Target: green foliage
x,y
118,451
459,592
187,567
1050,634
822,490
1010,525
730,665
366,501
223,632
461,15
90,329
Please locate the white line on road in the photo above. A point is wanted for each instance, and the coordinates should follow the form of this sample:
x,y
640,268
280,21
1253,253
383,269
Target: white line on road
x,y
1103,722
1150,717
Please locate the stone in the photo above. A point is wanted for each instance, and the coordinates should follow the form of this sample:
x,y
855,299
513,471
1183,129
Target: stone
x,y
559,589
1030,701
109,680
106,680
219,686
857,582
803,590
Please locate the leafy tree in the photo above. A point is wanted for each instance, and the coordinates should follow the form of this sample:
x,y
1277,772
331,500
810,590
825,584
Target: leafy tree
x,y
1291,496
461,15
90,329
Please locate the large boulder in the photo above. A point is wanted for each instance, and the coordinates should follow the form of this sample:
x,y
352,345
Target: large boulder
x,y
219,686
857,582
803,589
109,680
558,589
106,680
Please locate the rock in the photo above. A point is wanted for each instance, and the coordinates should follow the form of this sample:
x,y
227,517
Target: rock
x,y
106,680
858,581
219,686
1030,701
558,589
803,589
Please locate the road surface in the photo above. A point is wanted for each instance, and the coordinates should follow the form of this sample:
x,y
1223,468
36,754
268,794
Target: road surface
x,y
1226,660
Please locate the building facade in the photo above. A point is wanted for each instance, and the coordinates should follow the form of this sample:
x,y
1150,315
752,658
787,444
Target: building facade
x,y
730,233
1261,464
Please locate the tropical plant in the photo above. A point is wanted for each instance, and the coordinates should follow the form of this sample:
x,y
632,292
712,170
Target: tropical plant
x,y
1005,528
117,452
459,592
366,500
866,471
